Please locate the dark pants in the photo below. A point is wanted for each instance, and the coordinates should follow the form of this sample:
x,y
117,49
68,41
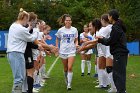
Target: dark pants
x,y
119,72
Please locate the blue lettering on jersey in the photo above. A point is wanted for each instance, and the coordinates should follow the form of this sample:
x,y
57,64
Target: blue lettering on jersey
x,y
68,36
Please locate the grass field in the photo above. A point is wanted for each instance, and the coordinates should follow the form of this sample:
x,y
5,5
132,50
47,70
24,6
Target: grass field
x,y
80,84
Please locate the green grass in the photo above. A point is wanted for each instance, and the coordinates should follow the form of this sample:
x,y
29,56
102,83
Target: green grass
x,y
80,84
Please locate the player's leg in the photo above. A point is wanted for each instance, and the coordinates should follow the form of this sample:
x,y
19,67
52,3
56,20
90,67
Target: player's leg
x,y
83,59
89,61
71,60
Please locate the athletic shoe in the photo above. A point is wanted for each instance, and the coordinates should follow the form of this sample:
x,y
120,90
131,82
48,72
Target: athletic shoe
x,y
112,90
37,86
88,74
69,88
101,86
35,90
82,74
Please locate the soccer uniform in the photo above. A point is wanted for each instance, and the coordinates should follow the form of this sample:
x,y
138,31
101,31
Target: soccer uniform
x,y
67,38
90,37
106,33
35,52
88,52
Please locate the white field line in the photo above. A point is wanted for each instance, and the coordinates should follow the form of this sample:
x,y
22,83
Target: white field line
x,y
50,69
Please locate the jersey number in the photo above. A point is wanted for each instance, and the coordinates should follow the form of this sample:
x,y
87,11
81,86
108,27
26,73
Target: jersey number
x,y
68,40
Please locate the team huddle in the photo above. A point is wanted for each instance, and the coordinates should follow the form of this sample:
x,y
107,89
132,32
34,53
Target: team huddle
x,y
27,49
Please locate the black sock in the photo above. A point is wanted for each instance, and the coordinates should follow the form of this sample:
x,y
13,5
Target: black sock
x,y
30,82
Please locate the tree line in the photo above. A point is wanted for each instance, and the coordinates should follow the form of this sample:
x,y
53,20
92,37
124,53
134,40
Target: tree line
x,y
82,11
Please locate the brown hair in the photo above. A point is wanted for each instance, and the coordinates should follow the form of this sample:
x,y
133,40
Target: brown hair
x,y
46,27
61,19
22,14
105,17
32,16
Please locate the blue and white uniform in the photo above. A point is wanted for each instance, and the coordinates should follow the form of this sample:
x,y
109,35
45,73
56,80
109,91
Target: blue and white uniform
x,y
67,38
90,37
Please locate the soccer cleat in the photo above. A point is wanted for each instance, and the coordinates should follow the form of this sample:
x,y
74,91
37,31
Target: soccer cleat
x,y
37,86
35,90
101,87
112,90
82,74
88,74
69,88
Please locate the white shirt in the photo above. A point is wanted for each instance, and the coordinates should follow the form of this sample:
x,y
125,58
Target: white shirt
x,y
18,37
67,38
105,32
35,52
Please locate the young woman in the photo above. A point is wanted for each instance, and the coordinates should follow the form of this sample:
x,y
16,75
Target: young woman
x,y
85,56
92,32
68,37
28,55
117,43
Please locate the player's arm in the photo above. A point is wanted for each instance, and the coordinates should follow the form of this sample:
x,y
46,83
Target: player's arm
x,y
76,41
57,42
89,45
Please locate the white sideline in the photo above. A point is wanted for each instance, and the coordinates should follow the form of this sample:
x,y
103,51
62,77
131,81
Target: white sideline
x,y
51,67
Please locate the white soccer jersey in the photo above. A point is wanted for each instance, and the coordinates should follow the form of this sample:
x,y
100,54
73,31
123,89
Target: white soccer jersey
x,y
67,38
102,49
105,32
90,37
35,52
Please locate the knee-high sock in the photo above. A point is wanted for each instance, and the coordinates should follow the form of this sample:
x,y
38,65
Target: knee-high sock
x,y
37,77
100,76
82,65
95,69
106,78
89,66
111,81
30,81
44,69
69,76
97,66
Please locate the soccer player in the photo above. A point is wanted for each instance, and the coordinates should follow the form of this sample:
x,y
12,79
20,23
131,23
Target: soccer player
x,y
85,56
68,37
28,56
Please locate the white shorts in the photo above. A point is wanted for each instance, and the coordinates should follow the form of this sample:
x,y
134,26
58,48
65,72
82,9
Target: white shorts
x,y
108,55
66,56
100,51
35,54
88,52
104,51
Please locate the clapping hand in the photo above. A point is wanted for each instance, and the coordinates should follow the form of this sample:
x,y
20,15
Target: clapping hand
x,y
54,49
